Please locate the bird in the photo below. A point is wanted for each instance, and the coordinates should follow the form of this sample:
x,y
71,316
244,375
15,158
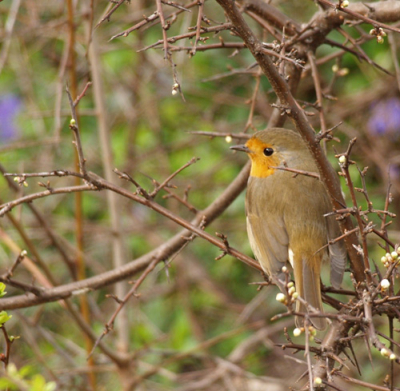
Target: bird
x,y
285,216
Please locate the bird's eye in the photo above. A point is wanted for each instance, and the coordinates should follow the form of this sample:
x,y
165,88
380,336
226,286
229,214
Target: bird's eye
x,y
268,151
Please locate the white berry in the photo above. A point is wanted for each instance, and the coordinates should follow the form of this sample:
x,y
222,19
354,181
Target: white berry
x,y
385,284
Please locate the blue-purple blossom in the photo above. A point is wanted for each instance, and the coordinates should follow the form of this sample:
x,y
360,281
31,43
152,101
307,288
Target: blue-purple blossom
x,y
385,118
10,106
394,171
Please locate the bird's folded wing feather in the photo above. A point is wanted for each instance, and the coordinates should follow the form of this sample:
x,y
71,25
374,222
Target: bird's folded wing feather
x,y
269,241
337,252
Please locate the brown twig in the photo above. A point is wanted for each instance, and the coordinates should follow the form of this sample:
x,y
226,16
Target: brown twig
x,y
307,353
173,175
57,173
357,15
75,128
43,223
190,34
383,229
175,5
107,16
19,259
249,123
109,325
8,32
164,28
393,49
318,92
364,383
153,17
8,342
297,172
370,329
222,134
198,26
5,208
333,241
345,170
82,94
171,246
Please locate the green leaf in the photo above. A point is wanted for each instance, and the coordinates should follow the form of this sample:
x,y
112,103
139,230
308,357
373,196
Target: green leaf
x,y
38,383
2,289
50,386
4,317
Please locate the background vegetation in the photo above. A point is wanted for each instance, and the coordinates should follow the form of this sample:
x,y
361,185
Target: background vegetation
x,y
193,322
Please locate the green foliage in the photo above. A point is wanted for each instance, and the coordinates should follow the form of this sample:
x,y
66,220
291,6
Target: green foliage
x,y
2,289
191,298
24,379
4,317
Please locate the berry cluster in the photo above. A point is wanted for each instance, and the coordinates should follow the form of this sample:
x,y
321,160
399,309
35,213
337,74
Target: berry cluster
x,y
379,34
390,258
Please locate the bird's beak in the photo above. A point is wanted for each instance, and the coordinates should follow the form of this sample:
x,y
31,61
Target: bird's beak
x,y
241,148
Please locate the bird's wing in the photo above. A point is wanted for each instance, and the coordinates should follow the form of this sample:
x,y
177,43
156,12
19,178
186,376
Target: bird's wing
x,y
337,252
269,241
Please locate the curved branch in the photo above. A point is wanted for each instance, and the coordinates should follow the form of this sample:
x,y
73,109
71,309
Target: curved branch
x,y
161,253
386,11
375,13
5,208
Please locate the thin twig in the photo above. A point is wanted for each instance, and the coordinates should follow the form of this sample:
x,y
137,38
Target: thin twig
x,y
349,183
164,28
318,92
249,123
82,94
190,34
8,31
307,353
297,172
5,208
57,173
222,134
359,16
109,325
173,175
75,128
198,26
364,383
153,17
109,13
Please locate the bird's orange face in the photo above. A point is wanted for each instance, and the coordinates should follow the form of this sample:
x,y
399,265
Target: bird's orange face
x,y
263,157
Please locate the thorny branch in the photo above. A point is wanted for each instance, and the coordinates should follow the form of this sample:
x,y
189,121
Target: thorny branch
x,y
291,108
127,270
109,325
296,45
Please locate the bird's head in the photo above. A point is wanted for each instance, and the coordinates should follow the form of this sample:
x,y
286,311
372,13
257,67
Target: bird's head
x,y
271,148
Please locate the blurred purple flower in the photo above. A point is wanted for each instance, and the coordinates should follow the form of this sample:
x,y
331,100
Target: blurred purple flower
x,y
385,118
394,171
10,106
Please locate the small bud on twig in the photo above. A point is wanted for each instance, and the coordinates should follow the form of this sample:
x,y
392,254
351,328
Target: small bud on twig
x,y
280,297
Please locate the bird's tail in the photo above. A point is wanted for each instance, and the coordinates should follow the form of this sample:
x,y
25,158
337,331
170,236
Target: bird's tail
x,y
307,278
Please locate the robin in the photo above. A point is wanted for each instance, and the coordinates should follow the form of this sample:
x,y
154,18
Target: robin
x,y
285,216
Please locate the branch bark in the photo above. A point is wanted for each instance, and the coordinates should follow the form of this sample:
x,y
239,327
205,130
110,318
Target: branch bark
x,y
161,253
